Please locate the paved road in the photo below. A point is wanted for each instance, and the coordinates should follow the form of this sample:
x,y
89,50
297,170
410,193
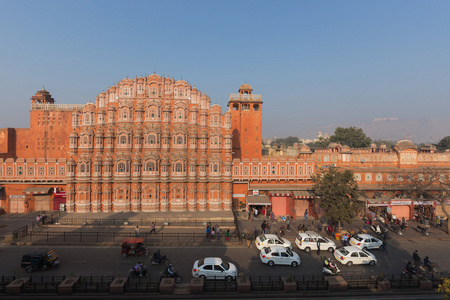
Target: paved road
x,y
83,260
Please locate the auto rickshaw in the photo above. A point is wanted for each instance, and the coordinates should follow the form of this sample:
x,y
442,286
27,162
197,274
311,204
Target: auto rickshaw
x,y
39,259
133,246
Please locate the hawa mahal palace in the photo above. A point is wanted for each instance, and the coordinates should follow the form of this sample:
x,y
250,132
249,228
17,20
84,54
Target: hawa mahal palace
x,y
156,144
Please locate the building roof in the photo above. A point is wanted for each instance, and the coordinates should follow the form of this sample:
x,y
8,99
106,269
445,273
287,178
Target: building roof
x,y
37,190
403,145
258,200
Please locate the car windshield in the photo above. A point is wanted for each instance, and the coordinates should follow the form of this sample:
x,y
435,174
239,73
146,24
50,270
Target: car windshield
x,y
201,262
358,238
343,251
225,265
368,254
262,238
266,250
288,251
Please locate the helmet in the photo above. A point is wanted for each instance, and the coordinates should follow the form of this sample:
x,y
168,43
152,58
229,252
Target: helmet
x,y
139,261
426,257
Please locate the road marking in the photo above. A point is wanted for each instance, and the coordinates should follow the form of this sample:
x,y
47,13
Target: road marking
x,y
79,261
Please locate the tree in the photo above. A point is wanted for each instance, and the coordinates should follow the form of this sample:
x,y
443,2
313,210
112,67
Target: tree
x,y
430,184
389,144
338,194
351,136
289,141
444,143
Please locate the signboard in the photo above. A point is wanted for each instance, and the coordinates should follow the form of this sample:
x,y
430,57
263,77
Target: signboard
x,y
238,195
423,202
255,192
400,202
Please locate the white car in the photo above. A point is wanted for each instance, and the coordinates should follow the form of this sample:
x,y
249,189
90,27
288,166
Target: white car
x,y
267,240
365,241
350,255
214,268
276,255
307,241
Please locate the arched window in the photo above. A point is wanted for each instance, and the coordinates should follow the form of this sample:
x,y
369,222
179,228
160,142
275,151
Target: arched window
x,y
152,139
123,139
178,167
150,166
82,168
179,140
121,167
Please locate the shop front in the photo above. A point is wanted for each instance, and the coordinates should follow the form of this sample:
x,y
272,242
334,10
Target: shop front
x,y
259,202
303,200
59,201
401,208
423,211
281,203
40,198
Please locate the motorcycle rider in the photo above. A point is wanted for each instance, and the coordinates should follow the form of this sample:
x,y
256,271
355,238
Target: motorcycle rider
x,y
410,268
427,263
328,264
138,267
157,256
170,271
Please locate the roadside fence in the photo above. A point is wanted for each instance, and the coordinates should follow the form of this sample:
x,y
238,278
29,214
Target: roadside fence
x,y
160,238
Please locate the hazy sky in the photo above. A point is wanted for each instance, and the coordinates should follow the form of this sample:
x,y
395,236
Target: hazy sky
x,y
314,62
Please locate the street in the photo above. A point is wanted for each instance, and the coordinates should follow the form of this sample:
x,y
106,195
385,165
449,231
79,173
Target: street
x,y
91,260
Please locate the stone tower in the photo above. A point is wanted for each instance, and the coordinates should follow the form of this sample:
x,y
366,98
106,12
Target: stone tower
x,y
246,123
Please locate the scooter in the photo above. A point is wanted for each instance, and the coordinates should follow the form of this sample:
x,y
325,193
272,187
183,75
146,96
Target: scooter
x,y
134,272
375,228
170,272
162,259
422,229
384,234
397,229
331,269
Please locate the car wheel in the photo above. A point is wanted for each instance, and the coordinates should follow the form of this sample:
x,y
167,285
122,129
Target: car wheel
x,y
349,264
331,250
29,270
178,279
271,263
365,248
372,263
294,264
380,247
124,255
229,278
203,276
307,249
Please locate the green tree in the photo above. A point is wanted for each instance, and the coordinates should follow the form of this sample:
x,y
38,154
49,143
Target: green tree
x,y
338,195
389,144
351,136
444,143
289,141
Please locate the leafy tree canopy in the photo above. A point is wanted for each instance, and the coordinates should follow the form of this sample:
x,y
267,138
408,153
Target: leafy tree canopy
x,y
338,193
289,141
444,143
351,136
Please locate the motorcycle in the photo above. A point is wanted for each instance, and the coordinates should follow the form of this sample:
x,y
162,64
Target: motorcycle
x,y
410,272
398,229
375,228
160,260
170,272
331,269
135,273
384,234
422,229
427,269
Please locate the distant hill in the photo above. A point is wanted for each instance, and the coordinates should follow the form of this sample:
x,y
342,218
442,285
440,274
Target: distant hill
x,y
393,129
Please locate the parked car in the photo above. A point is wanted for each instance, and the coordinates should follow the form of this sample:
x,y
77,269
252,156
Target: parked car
x,y
365,241
277,255
267,240
214,268
307,241
350,255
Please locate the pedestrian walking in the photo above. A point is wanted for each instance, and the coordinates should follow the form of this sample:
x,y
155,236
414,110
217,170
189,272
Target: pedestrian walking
x,y
267,228
153,228
383,246
213,232
208,232
255,232
272,216
288,225
306,214
136,231
282,232
318,247
218,232
249,212
416,258
438,222
263,226
227,235
256,213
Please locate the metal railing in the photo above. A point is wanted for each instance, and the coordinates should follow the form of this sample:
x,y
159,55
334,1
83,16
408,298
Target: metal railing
x,y
20,233
149,239
141,222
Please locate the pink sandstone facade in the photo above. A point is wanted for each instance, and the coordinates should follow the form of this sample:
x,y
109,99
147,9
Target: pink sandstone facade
x,y
156,144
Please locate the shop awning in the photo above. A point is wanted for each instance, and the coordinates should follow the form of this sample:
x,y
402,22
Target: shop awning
x,y
303,194
37,190
280,193
258,200
279,187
